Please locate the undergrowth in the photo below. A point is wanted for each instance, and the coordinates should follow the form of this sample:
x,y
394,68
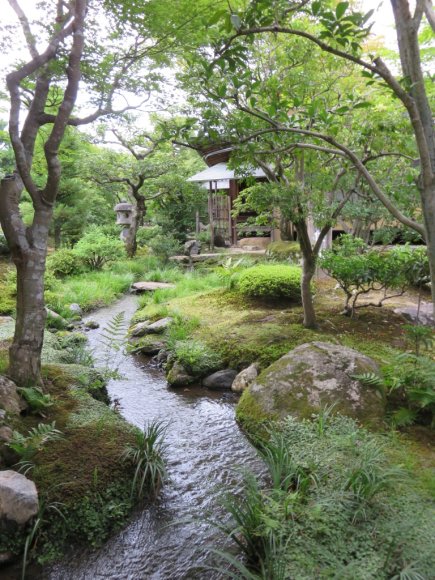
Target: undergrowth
x,y
335,506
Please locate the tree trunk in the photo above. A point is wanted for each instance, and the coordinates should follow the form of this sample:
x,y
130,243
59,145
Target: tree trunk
x,y
129,237
308,271
25,352
57,234
428,205
407,37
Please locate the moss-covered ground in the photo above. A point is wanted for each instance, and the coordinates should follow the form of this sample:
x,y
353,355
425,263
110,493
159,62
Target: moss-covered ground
x,y
83,483
243,331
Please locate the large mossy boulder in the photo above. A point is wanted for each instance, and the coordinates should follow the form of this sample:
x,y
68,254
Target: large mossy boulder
x,y
310,377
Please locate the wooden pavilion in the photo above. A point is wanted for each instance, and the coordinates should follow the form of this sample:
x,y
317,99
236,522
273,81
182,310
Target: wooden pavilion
x,y
224,186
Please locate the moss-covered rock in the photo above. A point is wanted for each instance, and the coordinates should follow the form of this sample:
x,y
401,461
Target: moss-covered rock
x,y
310,377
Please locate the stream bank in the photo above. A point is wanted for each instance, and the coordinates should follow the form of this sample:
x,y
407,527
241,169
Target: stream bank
x,y
206,450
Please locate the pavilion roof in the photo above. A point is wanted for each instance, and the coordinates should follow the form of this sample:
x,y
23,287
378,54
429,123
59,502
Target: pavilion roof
x,y
220,175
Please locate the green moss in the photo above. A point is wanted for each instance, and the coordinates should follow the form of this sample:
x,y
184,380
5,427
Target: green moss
x,y
251,416
84,471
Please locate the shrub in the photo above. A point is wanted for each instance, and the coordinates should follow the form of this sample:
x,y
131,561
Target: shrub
x,y
270,281
145,234
64,262
97,249
285,251
164,247
359,270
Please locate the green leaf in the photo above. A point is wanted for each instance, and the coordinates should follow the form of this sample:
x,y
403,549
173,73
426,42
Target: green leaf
x,y
364,105
341,9
315,7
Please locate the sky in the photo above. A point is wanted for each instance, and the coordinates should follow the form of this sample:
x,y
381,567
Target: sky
x,y
383,27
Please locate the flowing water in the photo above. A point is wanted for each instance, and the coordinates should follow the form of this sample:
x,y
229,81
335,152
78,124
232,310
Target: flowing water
x,y
170,539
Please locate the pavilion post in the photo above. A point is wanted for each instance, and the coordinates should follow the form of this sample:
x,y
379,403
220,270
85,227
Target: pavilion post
x,y
210,215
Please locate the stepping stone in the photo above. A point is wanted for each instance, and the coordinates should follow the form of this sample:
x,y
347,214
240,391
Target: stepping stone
x,y
150,286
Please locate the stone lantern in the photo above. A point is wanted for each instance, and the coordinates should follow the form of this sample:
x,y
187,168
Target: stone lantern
x,y
124,217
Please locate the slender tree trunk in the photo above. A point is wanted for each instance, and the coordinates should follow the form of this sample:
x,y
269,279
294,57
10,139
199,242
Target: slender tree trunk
x,y
428,205
308,271
57,235
407,37
25,352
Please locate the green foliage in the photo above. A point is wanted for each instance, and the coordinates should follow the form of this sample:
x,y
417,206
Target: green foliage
x,y
329,489
180,330
148,453
36,399
285,251
230,270
64,262
165,246
113,337
409,381
271,282
28,445
196,357
89,290
96,249
358,270
55,322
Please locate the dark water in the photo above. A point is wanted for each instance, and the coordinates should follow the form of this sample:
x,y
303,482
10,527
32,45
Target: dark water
x,y
206,449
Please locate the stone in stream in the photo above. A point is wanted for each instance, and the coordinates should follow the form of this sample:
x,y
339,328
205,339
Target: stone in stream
x,y
149,346
139,329
245,378
76,309
312,376
178,376
18,497
10,400
150,286
220,379
158,327
92,325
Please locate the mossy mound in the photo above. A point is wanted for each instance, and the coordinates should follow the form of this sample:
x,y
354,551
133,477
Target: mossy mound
x,y
83,474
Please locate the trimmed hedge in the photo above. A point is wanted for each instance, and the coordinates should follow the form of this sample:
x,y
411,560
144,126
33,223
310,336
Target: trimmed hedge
x,y
271,282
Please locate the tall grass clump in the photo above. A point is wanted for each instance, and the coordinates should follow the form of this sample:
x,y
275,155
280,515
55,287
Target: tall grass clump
x,y
189,283
148,454
89,290
334,507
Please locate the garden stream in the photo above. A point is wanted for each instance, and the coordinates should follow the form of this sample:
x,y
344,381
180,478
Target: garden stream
x,y
207,452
